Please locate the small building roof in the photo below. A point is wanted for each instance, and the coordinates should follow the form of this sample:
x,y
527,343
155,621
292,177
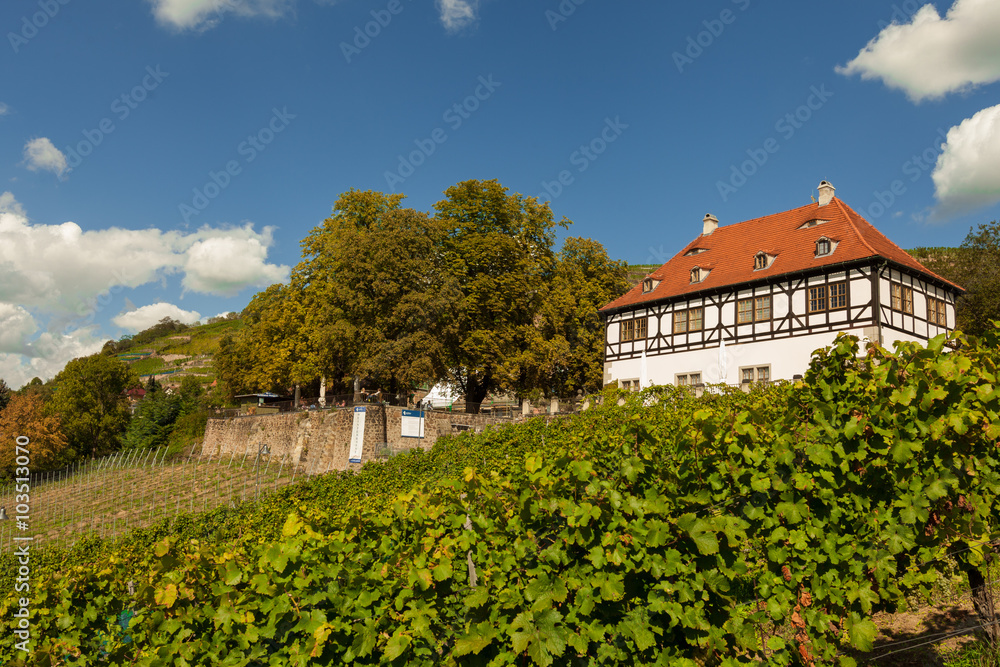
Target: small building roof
x,y
727,253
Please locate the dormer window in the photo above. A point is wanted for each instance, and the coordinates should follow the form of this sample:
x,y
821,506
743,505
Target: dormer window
x,y
811,223
648,285
697,275
695,251
823,247
761,261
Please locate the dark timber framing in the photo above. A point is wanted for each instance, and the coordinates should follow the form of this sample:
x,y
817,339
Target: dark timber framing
x,y
796,322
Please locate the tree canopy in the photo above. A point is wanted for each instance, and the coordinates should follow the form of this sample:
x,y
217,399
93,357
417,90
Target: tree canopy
x,y
24,416
474,294
5,394
90,400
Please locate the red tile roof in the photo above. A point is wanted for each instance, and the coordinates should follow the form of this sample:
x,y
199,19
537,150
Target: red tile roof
x,y
730,251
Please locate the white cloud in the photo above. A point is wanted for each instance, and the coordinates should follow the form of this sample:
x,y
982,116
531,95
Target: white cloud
x,y
40,154
458,14
967,173
932,56
16,326
4,109
47,355
147,316
225,265
55,279
65,270
205,14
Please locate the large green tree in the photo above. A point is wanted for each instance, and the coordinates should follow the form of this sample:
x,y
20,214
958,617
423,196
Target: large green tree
x,y
474,295
90,400
152,421
498,248
377,290
565,350
271,352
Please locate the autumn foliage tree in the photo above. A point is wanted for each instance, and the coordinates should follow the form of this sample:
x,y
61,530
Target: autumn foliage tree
x,y
565,347
25,416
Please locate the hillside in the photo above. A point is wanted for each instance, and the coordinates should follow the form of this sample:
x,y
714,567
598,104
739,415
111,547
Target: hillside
x,y
171,355
636,272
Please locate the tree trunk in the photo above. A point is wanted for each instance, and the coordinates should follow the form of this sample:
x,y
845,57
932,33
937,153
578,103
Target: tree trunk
x,y
475,394
982,601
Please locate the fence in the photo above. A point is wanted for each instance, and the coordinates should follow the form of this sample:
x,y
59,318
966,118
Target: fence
x,y
499,409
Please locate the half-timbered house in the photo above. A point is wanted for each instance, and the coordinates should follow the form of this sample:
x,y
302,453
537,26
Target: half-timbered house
x,y
750,302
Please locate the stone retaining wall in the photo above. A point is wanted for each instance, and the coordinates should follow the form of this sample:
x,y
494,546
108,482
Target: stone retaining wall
x,y
321,440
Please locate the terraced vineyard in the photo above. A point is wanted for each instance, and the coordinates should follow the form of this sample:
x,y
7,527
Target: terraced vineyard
x,y
189,352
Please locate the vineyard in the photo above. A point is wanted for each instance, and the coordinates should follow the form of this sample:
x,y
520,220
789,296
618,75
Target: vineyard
x,y
108,497
653,529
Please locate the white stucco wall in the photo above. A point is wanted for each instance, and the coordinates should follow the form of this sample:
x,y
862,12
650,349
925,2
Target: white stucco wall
x,y
787,357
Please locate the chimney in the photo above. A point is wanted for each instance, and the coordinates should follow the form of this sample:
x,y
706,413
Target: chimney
x,y
711,223
825,193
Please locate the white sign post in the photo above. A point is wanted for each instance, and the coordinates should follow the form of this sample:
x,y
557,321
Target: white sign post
x,y
357,435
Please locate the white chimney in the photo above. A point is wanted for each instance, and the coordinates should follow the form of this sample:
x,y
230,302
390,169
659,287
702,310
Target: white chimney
x,y
825,193
710,224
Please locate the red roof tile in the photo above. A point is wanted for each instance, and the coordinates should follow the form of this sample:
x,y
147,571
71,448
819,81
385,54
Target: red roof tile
x,y
730,251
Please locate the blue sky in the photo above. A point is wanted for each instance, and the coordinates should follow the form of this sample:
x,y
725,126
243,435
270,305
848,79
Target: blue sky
x,y
165,157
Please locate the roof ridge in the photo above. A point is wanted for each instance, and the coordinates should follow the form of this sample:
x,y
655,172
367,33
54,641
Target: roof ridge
x,y
894,245
850,221
769,215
